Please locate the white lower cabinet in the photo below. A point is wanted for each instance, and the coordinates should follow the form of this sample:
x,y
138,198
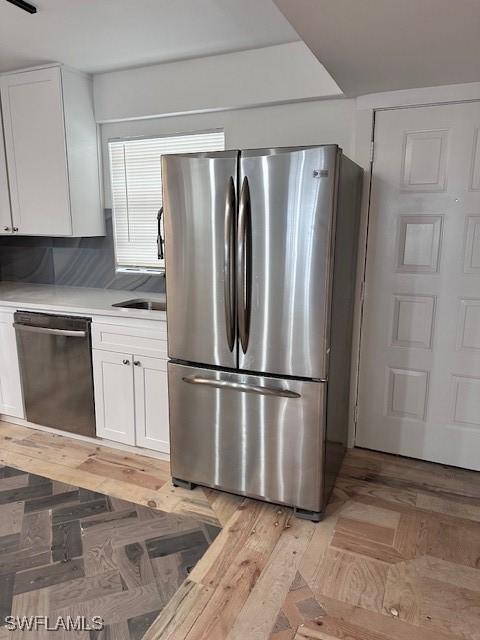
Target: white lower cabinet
x,y
151,403
131,394
11,400
114,396
129,375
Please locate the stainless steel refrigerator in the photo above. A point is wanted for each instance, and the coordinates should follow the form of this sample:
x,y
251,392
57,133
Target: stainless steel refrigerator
x,y
260,268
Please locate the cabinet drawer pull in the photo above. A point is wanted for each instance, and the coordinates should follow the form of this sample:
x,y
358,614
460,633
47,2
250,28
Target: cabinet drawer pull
x,y
126,361
137,363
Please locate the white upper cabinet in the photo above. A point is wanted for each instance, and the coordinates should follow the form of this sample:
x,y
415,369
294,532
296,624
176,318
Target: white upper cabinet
x,y
5,216
51,154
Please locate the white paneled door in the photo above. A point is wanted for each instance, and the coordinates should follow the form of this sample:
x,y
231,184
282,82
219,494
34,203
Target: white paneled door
x,y
419,391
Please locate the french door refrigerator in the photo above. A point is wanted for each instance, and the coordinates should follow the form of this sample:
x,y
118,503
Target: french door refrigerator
x,y
260,252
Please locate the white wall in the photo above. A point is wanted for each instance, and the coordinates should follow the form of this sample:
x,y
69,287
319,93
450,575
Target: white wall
x,y
271,75
347,122
302,123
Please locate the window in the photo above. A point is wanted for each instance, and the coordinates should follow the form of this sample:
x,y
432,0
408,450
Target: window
x,y
136,179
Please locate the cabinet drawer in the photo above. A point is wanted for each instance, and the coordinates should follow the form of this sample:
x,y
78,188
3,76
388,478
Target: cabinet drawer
x,y
147,341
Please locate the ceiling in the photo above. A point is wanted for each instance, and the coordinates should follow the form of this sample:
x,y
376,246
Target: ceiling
x,y
370,46
99,35
367,46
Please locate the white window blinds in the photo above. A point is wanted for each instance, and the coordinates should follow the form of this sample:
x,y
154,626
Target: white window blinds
x,y
136,180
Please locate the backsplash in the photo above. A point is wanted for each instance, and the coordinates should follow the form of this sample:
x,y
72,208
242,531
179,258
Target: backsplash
x,y
77,262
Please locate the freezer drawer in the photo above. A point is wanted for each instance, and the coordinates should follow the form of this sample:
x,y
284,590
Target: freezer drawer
x,y
253,435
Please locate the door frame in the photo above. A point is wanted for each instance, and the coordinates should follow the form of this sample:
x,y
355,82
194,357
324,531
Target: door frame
x,y
365,113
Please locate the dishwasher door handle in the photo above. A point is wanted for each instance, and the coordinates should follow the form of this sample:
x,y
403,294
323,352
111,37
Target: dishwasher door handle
x,y
54,332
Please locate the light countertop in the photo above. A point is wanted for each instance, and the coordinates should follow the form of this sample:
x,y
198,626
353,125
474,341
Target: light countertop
x,y
83,300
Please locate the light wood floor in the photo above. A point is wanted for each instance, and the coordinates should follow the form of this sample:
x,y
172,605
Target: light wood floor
x,y
397,557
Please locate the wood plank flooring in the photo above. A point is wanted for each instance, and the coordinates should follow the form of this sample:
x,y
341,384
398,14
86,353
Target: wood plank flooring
x,y
396,558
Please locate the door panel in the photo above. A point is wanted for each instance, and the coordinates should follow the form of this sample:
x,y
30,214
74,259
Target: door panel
x,y
291,197
36,155
114,396
420,360
151,403
253,435
195,196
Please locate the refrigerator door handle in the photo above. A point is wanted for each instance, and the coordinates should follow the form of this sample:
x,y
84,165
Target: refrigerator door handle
x,y
244,269
160,240
240,386
229,263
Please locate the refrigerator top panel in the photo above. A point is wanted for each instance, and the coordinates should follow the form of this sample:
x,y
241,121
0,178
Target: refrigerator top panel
x,y
199,196
284,260
262,151
276,151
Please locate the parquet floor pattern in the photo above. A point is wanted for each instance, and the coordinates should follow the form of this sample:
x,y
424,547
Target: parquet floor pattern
x,y
396,558
68,551
401,559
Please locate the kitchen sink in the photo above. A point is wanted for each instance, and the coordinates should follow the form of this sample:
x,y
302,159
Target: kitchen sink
x,y
142,303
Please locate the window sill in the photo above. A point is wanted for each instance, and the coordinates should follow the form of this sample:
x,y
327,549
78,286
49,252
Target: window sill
x,y
145,271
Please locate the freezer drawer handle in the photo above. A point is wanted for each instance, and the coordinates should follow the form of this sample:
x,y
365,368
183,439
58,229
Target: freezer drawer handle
x,y
239,386
54,332
229,257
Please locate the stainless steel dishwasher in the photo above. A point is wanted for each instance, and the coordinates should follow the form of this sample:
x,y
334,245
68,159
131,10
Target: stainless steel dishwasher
x,y
56,371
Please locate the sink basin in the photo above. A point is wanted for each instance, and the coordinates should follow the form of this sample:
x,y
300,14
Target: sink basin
x,y
142,303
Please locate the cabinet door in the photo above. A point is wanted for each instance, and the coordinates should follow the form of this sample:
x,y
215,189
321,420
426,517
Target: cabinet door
x,y
11,400
114,399
36,154
5,213
151,403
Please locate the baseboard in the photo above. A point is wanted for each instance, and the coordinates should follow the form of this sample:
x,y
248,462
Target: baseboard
x,y
96,441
